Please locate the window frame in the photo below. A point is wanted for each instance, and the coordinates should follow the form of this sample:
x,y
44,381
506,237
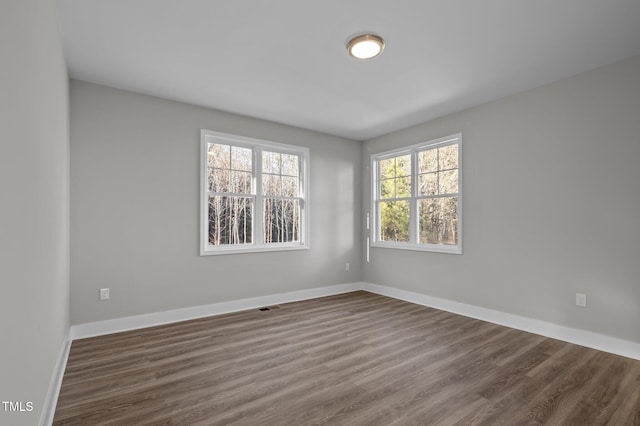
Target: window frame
x,y
414,198
257,146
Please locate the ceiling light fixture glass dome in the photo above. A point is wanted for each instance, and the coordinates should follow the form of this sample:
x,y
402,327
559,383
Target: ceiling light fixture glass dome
x,y
365,46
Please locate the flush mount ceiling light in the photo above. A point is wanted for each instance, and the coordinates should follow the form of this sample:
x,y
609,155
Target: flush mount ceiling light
x,y
365,46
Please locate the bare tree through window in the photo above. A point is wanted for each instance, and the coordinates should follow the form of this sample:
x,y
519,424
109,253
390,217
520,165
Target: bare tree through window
x,y
280,186
230,203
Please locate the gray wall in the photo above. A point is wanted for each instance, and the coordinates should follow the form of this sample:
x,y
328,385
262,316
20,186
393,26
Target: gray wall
x,y
551,205
135,209
34,217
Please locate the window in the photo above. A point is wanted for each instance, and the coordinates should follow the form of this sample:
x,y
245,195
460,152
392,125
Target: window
x,y
416,197
254,195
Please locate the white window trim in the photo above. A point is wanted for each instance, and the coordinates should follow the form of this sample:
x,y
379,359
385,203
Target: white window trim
x,y
256,145
413,225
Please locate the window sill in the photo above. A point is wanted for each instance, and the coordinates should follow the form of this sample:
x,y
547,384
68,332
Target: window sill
x,y
434,248
252,249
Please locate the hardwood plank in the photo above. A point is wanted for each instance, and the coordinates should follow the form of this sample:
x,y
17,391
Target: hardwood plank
x,y
351,359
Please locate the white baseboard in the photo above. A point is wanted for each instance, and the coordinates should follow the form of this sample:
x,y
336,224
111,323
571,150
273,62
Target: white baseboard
x,y
116,325
568,334
51,400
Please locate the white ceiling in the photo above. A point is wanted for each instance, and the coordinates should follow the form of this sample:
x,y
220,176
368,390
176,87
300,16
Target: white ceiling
x,y
286,61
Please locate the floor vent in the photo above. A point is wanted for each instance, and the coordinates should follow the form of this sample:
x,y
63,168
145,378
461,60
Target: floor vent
x,y
269,308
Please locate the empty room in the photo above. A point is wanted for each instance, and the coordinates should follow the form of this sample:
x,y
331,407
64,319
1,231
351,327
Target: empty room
x,y
298,213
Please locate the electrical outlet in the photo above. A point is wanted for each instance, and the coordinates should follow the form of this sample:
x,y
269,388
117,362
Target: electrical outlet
x,y
581,300
104,294
347,267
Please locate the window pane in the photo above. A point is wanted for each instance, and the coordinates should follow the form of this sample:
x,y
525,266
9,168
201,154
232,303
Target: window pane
x,y
403,166
403,186
449,182
240,182
289,186
281,221
271,185
395,167
219,155
241,158
438,220
448,157
271,162
388,188
386,168
428,184
428,161
230,220
395,188
218,180
394,220
290,165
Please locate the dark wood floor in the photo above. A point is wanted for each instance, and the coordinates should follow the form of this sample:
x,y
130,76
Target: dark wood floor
x,y
353,359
